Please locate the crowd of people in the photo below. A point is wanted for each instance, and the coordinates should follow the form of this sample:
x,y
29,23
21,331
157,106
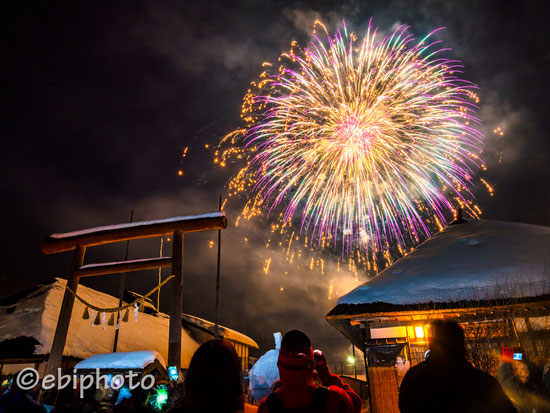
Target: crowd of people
x,y
213,383
447,382
444,382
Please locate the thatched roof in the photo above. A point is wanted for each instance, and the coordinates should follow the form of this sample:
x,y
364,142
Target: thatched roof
x,y
478,261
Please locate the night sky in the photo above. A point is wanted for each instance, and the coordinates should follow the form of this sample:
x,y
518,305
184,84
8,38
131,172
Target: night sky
x,y
102,99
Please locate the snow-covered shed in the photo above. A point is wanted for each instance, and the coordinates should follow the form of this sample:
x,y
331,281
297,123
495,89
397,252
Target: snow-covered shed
x,y
204,330
491,276
28,321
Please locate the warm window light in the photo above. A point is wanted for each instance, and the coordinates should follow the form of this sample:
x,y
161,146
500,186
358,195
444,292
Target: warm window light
x,y
419,331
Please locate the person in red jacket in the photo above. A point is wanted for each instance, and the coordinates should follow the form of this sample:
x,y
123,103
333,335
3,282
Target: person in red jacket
x,y
297,390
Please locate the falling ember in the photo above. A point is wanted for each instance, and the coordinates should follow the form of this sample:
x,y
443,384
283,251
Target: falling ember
x,y
489,187
267,264
361,146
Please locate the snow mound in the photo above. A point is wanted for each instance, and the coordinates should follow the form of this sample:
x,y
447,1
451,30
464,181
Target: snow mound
x,y
121,361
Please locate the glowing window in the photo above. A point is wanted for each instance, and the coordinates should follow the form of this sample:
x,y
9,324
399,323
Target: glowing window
x,y
388,332
419,331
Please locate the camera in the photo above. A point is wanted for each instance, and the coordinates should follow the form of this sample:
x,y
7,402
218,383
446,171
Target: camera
x,y
512,353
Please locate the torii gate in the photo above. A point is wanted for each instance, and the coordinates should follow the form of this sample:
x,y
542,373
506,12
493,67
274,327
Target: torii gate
x,y
80,240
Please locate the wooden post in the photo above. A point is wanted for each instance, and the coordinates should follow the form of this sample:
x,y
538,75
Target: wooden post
x,y
121,288
217,307
160,274
367,379
60,337
408,352
532,341
176,287
354,361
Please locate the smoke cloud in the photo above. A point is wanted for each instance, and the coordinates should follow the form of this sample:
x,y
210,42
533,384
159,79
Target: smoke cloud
x,y
105,99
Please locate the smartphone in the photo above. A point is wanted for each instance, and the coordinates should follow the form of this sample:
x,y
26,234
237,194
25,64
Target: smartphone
x,y
518,356
173,373
318,355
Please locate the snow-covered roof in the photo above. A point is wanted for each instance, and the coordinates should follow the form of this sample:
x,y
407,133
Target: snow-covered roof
x,y
478,260
224,331
36,316
121,360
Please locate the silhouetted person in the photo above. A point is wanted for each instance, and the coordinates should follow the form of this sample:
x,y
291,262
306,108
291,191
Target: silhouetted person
x,y
18,400
446,382
68,400
297,390
135,404
213,382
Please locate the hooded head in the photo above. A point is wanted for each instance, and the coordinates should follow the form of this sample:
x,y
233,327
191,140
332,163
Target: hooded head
x,y
214,376
296,362
447,341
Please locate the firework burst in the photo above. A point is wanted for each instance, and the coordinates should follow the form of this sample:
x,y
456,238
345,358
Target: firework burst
x,y
357,145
